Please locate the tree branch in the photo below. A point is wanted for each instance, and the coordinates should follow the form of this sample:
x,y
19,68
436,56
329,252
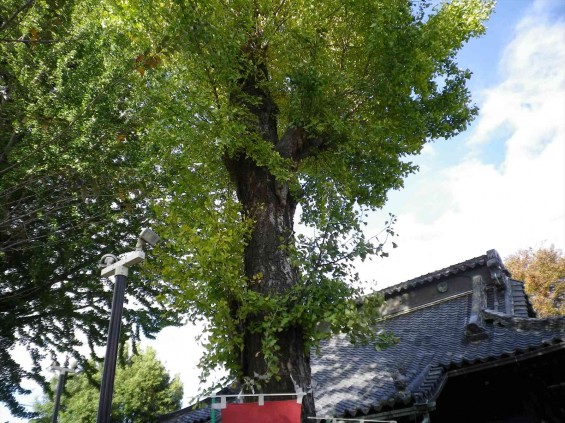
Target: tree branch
x,y
4,154
25,41
23,7
297,144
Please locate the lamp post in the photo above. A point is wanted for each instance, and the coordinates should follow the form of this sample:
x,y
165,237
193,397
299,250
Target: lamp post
x,y
112,266
60,384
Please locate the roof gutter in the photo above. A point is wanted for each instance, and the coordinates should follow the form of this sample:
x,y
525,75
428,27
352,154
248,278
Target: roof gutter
x,y
472,368
416,409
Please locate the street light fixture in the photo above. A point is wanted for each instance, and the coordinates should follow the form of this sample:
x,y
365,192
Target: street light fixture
x,y
118,267
54,367
147,236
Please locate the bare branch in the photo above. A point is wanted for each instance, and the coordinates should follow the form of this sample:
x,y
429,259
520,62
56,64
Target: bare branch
x,y
26,41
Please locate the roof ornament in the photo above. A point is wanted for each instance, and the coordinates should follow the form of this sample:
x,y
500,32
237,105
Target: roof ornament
x,y
475,329
496,267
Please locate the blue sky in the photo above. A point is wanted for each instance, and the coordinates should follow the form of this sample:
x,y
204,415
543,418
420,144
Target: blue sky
x,y
500,185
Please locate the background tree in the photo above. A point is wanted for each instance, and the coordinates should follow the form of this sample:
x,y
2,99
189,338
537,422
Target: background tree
x,y
543,274
71,186
143,391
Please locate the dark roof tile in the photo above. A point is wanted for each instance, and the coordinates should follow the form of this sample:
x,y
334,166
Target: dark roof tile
x,y
351,379
356,380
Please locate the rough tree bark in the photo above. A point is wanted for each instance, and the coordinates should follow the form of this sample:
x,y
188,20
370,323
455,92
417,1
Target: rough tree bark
x,y
271,206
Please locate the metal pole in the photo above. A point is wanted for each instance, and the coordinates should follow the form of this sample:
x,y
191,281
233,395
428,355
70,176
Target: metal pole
x,y
111,266
107,386
62,375
60,386
213,411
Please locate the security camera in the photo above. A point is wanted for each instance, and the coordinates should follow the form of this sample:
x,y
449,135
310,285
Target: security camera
x,y
126,260
54,366
149,236
113,265
106,260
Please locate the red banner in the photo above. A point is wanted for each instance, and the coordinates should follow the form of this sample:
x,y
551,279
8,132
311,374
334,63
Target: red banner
x,y
271,412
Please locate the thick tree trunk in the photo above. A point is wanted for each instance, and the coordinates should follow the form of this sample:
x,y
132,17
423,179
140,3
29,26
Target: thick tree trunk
x,y
270,205
272,208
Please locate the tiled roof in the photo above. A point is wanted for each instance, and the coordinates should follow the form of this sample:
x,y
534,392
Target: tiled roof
x,y
188,415
433,343
353,380
520,302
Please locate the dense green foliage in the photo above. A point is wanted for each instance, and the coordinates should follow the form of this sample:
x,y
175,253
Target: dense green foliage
x,y
543,274
235,115
143,390
71,185
328,99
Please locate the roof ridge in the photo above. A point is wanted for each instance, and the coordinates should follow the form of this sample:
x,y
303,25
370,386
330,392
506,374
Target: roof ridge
x,y
438,274
524,323
490,259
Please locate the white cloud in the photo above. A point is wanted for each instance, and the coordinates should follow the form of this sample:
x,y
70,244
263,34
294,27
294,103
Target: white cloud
x,y
180,353
531,99
520,203
177,349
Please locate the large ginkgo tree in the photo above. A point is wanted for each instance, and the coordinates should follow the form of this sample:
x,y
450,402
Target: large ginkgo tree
x,y
259,109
